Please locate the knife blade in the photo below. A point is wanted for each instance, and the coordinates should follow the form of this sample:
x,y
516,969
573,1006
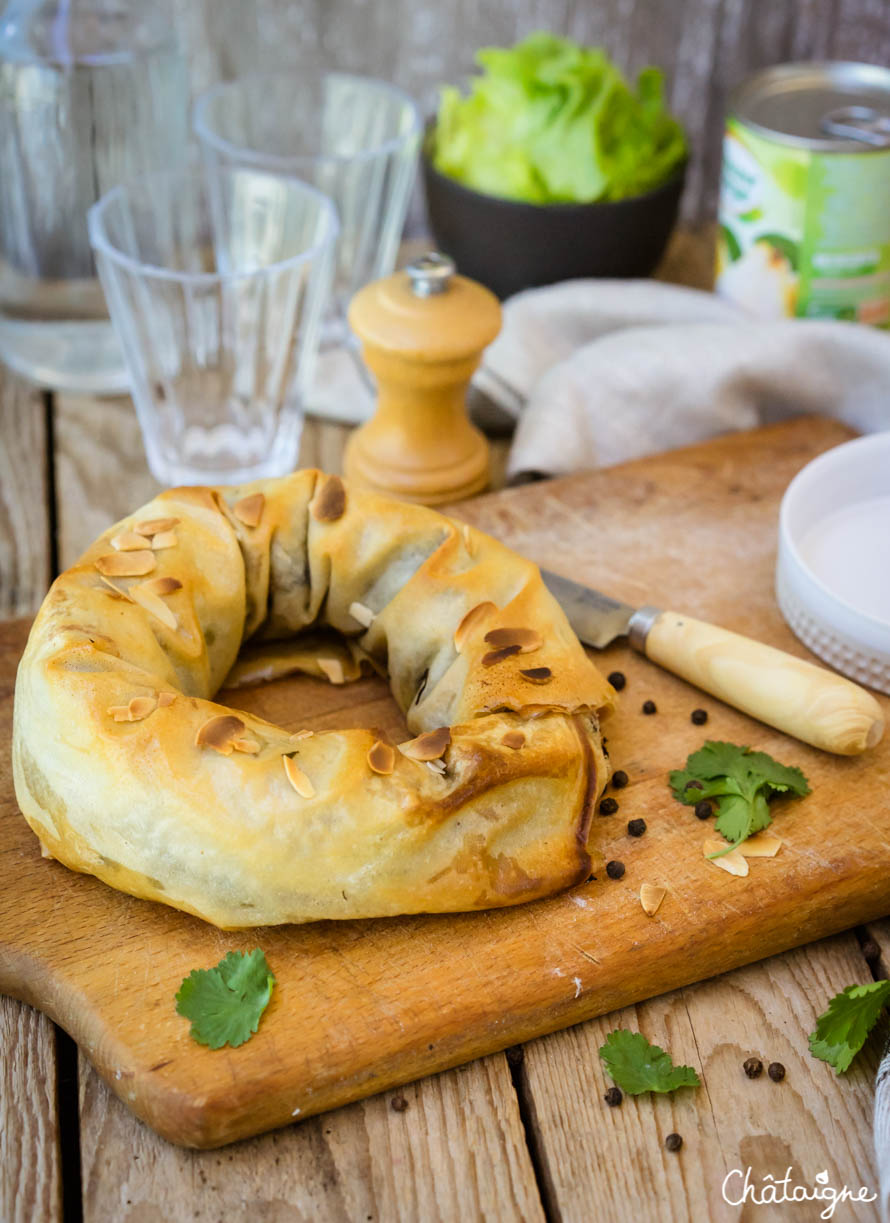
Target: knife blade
x,y
812,704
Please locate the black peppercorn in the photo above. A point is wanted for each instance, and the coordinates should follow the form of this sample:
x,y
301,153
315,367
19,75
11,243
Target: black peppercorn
x,y
619,779
673,1142
399,1104
617,679
698,717
753,1067
776,1071
703,810
613,1097
649,707
636,828
614,869
608,806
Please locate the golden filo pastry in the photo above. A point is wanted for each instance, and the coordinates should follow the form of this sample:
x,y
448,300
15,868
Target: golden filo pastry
x,y
126,769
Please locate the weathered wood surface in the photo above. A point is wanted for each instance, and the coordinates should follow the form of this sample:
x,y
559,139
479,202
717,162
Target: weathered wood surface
x,y
612,1165
457,1152
29,1151
364,1006
704,46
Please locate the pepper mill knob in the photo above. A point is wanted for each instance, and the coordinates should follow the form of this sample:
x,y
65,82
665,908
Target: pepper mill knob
x,y
422,333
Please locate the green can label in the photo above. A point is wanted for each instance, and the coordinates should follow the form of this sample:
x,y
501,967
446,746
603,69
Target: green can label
x,y
804,233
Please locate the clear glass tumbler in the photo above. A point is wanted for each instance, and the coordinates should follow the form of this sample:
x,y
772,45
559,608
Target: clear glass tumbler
x,y
216,287
354,138
91,93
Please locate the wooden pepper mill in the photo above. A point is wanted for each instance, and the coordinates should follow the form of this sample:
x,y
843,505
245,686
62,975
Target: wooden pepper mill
x,y
422,333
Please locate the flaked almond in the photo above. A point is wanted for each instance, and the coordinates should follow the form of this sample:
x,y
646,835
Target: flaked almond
x,y
363,614
333,669
127,564
527,640
537,675
118,590
495,656
514,739
249,510
471,621
733,862
466,530
436,766
161,586
301,734
329,502
138,707
298,778
651,896
155,526
154,605
428,746
165,699
163,539
250,746
381,757
127,541
761,845
219,732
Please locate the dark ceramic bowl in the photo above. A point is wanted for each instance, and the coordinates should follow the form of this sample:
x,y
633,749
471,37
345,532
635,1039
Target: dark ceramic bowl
x,y
510,246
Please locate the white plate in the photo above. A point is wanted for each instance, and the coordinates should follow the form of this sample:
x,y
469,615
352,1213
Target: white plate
x,y
833,567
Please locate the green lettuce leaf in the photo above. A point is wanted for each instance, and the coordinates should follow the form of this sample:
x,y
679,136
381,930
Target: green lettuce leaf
x,y
550,121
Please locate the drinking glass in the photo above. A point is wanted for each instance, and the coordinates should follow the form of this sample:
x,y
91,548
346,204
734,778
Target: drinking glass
x,y
216,289
91,93
354,138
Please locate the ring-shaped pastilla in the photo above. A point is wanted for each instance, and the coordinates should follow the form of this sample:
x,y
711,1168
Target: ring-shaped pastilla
x,y
127,769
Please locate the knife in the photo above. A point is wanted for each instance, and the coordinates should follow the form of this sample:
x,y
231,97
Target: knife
x,y
812,704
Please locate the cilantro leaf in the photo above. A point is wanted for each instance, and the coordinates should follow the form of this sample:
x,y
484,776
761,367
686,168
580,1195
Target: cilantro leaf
x,y
841,1031
225,1003
636,1066
740,781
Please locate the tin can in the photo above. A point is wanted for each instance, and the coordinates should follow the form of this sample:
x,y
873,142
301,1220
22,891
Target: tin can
x,y
804,218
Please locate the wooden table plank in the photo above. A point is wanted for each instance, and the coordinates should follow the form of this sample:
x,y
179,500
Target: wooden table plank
x,y
30,1183
598,1160
457,1152
24,520
30,1180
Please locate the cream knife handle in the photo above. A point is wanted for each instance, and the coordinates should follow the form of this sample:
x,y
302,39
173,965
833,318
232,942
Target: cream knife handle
x,y
808,702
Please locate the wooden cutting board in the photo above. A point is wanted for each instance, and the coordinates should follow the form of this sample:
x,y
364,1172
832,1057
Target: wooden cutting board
x,y
363,1006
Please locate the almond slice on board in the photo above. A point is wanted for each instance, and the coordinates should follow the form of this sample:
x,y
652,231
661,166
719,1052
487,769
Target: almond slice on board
x,y
761,845
298,778
127,564
733,862
651,896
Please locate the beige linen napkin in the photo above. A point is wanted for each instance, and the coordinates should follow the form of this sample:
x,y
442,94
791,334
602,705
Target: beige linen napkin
x,y
601,371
